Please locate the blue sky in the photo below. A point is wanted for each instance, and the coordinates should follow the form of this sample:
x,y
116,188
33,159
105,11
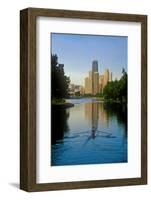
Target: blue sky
x,y
77,51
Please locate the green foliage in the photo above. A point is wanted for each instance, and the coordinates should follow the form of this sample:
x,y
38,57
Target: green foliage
x,y
56,100
117,90
59,81
99,95
77,93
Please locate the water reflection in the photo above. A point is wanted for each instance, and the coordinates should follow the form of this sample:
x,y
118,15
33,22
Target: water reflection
x,y
91,132
91,114
59,124
119,111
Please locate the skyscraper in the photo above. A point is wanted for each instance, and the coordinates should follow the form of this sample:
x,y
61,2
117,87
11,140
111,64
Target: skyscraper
x,y
110,77
106,77
95,77
101,79
94,66
88,85
92,82
95,83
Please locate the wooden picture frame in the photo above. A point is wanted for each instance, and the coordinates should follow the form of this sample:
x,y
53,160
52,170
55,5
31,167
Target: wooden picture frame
x,y
28,98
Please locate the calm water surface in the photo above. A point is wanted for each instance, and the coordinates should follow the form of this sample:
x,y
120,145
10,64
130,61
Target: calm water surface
x,y
91,132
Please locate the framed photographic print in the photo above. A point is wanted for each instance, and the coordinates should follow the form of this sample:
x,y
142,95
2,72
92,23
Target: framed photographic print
x,y
83,92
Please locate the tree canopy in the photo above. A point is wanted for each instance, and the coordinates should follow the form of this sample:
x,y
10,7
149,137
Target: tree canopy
x,y
59,81
117,90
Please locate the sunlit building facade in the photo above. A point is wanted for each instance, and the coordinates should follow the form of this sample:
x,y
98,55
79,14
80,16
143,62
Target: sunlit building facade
x,y
95,83
106,77
101,79
76,89
88,85
110,77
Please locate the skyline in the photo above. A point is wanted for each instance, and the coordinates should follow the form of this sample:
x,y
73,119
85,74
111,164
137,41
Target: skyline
x,y
77,52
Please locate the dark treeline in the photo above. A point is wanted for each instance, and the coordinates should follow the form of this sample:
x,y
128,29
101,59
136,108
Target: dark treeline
x,y
117,90
59,81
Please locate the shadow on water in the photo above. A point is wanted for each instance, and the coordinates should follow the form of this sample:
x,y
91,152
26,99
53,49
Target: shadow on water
x,y
59,124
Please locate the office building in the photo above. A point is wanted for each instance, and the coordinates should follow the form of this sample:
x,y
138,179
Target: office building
x,y
95,83
95,66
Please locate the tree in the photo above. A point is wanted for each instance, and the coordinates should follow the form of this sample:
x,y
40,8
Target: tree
x,y
117,90
123,86
111,90
59,81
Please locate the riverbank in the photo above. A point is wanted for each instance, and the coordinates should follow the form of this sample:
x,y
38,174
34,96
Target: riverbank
x,y
114,101
102,99
68,103
63,105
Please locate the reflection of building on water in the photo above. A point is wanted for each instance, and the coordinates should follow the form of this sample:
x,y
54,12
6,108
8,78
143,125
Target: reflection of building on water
x,y
95,113
91,114
103,115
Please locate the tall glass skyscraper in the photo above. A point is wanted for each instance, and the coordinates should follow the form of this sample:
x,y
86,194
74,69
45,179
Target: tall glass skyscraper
x,y
95,66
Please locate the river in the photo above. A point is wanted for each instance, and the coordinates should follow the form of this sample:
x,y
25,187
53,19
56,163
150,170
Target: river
x,y
91,132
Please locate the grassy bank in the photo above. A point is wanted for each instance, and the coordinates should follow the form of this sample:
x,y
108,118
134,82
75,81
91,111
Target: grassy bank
x,y
61,103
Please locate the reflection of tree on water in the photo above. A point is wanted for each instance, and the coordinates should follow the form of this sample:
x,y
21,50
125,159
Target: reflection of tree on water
x,y
118,110
103,115
59,125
